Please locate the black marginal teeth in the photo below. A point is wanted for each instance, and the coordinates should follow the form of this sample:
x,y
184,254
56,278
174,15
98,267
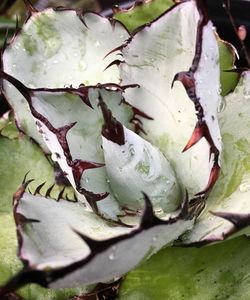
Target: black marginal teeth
x,y
239,220
48,193
116,62
60,195
38,189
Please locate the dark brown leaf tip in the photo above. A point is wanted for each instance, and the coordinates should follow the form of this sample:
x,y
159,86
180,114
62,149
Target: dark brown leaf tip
x,y
186,78
19,193
239,220
112,130
148,217
79,166
202,7
197,134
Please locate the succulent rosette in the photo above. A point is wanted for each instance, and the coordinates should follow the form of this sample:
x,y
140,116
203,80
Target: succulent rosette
x,y
139,128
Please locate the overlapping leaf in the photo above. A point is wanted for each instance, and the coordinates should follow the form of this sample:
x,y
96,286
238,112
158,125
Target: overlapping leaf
x,y
179,52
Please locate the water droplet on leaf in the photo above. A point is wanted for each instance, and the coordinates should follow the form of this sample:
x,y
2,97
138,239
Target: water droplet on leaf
x,y
97,44
154,239
244,187
112,256
247,94
221,106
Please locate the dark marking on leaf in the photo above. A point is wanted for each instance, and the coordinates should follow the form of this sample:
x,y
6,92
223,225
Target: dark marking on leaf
x,y
112,129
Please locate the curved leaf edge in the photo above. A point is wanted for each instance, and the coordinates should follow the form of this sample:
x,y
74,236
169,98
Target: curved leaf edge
x,y
187,79
32,11
77,166
48,276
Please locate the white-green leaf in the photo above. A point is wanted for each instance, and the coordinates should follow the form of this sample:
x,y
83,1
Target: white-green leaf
x,y
231,194
138,166
162,51
58,49
66,245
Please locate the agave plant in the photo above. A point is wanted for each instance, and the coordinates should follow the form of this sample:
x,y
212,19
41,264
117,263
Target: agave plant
x,y
138,126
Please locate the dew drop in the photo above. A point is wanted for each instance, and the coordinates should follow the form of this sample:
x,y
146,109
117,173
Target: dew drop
x,y
247,95
54,157
108,181
220,90
211,218
206,57
221,106
86,179
154,239
159,212
83,65
31,85
131,150
244,187
97,44
112,256
56,61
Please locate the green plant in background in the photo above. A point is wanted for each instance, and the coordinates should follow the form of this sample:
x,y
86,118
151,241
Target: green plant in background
x,y
139,127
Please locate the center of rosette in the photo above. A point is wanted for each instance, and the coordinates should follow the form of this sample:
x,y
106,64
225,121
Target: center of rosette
x,y
137,166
